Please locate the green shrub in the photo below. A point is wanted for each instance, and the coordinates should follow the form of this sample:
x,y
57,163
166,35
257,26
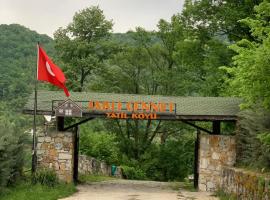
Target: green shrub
x,y
223,196
177,158
45,177
252,139
100,145
12,154
133,173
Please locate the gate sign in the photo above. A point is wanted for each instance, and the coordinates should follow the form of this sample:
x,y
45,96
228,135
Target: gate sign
x,y
133,110
68,108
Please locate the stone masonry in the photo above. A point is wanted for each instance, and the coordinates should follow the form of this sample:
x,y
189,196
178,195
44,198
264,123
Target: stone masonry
x,y
89,165
55,151
245,185
215,152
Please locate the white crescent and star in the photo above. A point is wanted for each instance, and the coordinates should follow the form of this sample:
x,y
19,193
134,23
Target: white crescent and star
x,y
49,69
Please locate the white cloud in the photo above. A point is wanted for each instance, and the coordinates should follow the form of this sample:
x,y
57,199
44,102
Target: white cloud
x,y
46,16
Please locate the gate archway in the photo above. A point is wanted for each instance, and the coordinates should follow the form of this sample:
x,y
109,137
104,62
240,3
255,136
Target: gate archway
x,y
83,105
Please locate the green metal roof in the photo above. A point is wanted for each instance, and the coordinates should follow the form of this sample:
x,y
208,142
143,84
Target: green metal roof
x,y
222,107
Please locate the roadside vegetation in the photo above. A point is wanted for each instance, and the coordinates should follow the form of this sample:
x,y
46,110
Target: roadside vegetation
x,y
43,185
28,191
90,178
223,196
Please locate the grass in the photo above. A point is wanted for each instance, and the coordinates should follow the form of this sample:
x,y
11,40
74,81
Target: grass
x,y
27,191
183,185
223,196
94,178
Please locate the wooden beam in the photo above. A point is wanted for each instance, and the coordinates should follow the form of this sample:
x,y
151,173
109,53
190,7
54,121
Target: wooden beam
x,y
79,123
161,117
197,127
60,123
196,160
216,127
76,155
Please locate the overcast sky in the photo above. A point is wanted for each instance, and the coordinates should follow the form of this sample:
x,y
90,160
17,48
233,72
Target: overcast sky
x,y
46,16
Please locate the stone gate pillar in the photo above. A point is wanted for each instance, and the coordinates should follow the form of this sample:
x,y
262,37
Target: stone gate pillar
x,y
55,150
215,151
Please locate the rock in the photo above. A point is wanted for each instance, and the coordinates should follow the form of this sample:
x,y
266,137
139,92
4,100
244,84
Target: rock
x,y
64,156
58,146
210,186
48,139
40,139
202,187
215,156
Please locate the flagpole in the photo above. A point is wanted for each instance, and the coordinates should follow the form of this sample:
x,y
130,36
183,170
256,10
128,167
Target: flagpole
x,y
34,147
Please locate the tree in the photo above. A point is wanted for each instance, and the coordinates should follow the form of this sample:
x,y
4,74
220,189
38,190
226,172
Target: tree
x,y
83,45
18,63
12,150
219,17
249,77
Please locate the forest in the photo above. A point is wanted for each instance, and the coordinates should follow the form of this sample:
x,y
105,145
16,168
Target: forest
x,y
211,48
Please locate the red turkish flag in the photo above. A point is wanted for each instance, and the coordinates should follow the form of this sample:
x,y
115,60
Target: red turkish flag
x,y
49,72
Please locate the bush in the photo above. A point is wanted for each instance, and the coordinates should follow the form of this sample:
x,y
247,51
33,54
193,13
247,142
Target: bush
x,y
45,177
12,153
252,139
133,173
177,158
100,145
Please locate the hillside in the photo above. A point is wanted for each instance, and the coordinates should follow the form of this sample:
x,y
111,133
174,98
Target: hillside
x,y
18,61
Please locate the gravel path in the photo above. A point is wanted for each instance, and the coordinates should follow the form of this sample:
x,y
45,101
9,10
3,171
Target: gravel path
x,y
134,190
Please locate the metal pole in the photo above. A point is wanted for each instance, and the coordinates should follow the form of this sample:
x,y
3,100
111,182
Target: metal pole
x,y
34,145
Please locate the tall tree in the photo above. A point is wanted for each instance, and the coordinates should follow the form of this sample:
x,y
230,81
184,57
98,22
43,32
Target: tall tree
x,y
83,45
250,75
249,78
219,17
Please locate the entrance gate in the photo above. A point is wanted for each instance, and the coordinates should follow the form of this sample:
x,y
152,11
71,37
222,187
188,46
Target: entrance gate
x,y
59,149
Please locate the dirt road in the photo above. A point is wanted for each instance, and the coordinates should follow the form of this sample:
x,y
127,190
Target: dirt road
x,y
134,190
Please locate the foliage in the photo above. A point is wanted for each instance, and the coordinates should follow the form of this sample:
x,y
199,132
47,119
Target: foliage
x,y
18,63
45,177
83,45
223,196
12,154
177,158
251,139
100,145
89,178
219,17
27,191
249,77
133,173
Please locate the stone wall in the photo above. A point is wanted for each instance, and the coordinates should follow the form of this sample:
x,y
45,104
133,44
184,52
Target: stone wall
x,y
55,151
245,185
89,165
215,151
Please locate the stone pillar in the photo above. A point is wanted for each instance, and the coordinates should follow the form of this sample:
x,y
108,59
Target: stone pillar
x,y
55,151
215,152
